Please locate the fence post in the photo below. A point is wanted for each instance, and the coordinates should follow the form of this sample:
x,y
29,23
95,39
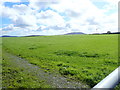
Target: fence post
x,y
110,81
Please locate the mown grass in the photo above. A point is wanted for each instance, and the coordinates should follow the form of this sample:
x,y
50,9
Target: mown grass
x,y
87,58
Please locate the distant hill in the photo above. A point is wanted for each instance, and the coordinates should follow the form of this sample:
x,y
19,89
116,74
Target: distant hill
x,y
74,33
20,36
8,36
33,35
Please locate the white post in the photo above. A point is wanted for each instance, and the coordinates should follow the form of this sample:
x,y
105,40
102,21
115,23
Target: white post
x,y
110,81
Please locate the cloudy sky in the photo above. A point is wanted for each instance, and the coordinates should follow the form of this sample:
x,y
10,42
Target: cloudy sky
x,y
54,17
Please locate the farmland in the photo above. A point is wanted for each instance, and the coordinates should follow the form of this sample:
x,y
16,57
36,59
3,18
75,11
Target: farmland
x,y
84,58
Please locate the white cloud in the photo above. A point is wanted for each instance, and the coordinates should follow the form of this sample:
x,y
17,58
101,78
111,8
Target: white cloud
x,y
25,21
60,16
115,2
109,1
80,15
10,1
50,18
41,4
9,27
8,12
22,9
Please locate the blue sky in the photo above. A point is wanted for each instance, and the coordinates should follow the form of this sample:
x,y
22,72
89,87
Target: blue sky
x,y
58,17
11,4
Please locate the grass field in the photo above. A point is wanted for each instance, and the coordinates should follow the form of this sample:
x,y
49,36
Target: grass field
x,y
86,58
0,63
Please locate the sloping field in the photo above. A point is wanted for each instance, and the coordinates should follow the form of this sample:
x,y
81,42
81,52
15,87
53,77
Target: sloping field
x,y
84,58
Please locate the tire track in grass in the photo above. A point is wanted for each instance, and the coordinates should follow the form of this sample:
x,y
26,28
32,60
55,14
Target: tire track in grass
x,y
55,80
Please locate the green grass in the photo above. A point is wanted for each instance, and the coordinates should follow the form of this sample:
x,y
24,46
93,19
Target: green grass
x,y
87,58
0,63
16,77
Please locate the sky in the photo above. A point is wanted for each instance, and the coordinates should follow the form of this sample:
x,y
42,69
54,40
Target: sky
x,y
56,17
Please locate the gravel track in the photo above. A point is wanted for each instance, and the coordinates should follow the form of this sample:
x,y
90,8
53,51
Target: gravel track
x,y
55,80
